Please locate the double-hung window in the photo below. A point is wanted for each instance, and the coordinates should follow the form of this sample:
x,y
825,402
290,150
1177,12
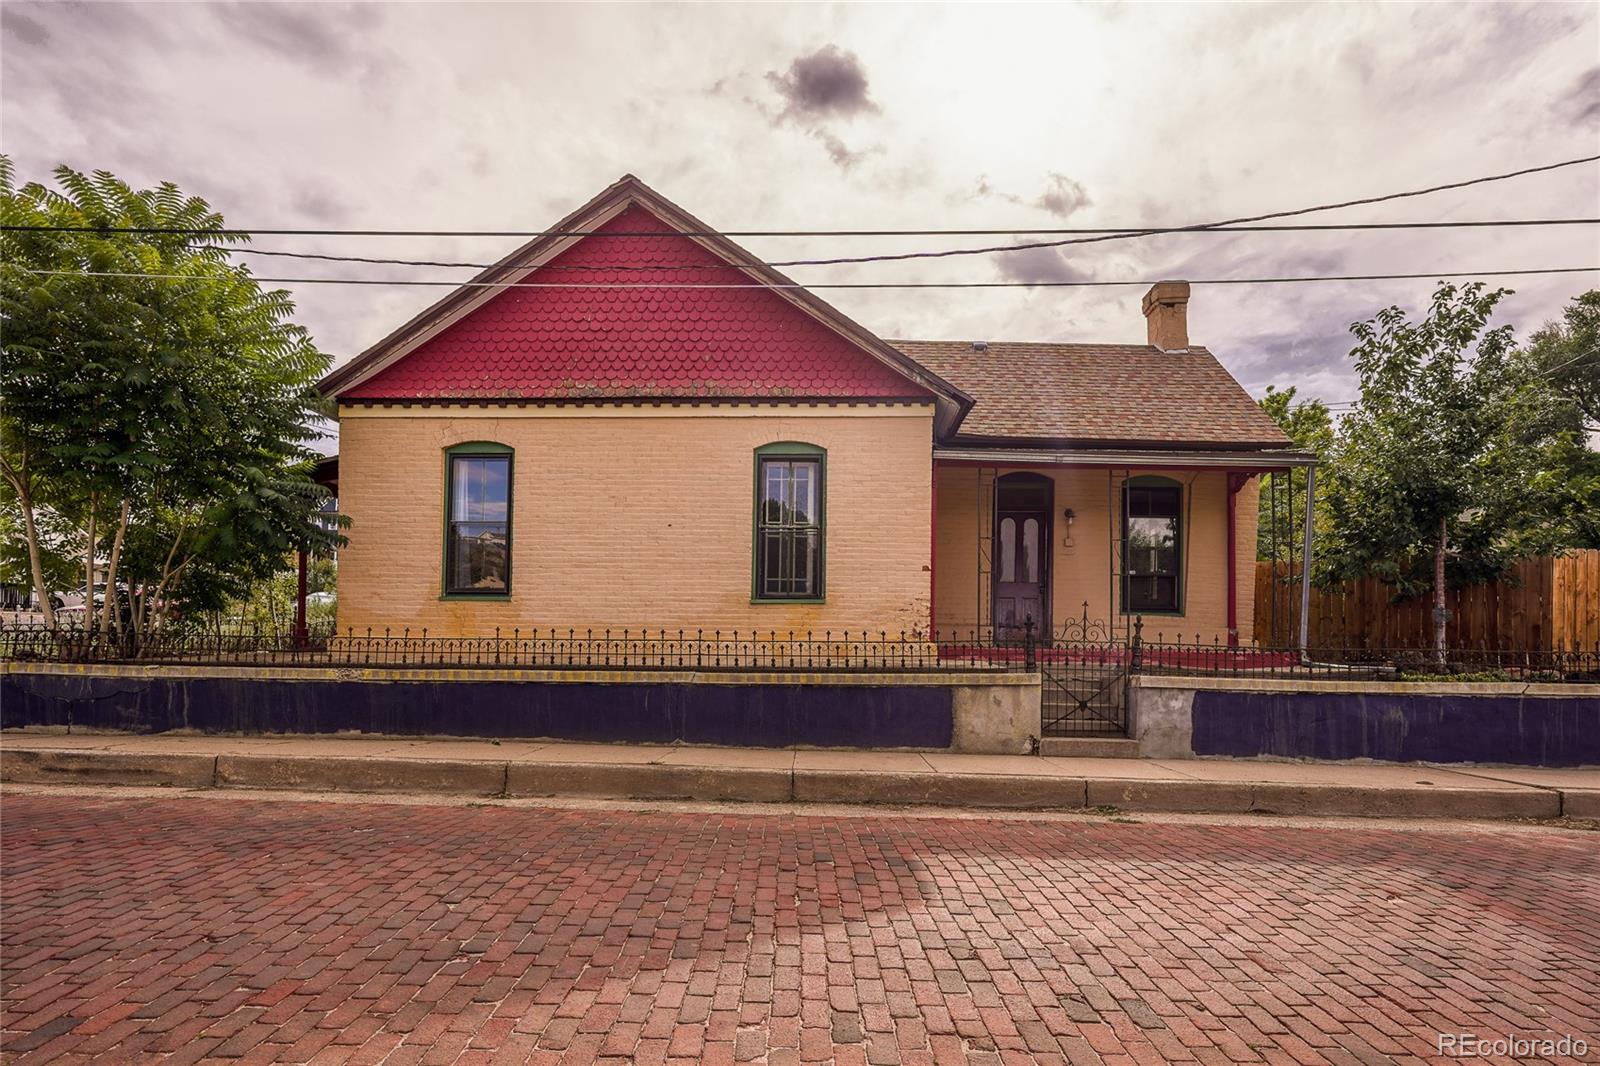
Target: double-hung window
x,y
789,522
477,546
1152,538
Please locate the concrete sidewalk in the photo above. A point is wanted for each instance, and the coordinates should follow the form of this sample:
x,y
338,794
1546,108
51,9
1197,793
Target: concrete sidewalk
x,y
759,775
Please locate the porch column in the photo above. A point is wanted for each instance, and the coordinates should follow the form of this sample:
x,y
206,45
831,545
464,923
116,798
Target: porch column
x,y
933,550
1236,481
1305,555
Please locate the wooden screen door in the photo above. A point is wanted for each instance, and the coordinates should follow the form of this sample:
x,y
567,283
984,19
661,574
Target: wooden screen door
x,y
1021,558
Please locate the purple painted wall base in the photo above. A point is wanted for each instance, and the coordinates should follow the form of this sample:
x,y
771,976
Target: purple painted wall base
x,y
755,715
1399,727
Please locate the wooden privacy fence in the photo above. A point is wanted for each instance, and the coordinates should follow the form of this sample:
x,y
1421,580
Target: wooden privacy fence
x,y
1546,603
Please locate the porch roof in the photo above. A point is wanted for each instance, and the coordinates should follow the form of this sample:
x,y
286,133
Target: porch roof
x,y
1097,395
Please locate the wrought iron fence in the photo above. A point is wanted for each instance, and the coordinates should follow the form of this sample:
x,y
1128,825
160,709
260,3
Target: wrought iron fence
x,y
1159,654
956,648
1079,655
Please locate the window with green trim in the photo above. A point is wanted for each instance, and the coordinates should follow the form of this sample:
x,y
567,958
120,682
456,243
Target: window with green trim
x,y
789,524
477,547
1151,536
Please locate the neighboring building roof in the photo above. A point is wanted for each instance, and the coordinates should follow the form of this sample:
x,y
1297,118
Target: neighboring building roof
x,y
638,342
1097,395
484,343
326,473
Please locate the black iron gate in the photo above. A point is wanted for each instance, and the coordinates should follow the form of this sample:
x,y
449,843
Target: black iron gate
x,y
1084,672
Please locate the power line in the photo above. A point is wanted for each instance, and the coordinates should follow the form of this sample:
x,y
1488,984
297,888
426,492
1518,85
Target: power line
x,y
1580,357
675,285
458,264
1139,231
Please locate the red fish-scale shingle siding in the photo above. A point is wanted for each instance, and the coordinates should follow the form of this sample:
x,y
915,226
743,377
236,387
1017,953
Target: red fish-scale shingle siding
x,y
637,342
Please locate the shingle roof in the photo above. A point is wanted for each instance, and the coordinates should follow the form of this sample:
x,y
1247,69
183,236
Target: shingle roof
x,y
1097,394
479,344
622,342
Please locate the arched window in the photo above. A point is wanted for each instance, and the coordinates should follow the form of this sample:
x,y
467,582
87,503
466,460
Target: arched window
x,y
790,522
1152,541
477,520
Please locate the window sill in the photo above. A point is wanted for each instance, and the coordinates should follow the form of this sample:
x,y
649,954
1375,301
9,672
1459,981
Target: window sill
x,y
487,597
754,600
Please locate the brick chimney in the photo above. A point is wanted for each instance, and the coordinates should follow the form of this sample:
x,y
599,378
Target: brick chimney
x,y
1166,314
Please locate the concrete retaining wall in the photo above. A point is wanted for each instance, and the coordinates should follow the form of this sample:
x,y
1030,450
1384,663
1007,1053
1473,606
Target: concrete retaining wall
x,y
1522,725
967,712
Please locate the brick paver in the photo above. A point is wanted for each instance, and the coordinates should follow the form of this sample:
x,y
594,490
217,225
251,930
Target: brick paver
x,y
275,931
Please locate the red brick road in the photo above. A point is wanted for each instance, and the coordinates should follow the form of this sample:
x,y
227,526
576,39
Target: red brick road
x,y
268,931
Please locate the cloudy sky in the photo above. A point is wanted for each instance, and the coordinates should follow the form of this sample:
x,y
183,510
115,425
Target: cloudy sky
x,y
486,116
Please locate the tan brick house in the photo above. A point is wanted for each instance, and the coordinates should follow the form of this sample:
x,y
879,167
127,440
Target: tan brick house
x,y
630,422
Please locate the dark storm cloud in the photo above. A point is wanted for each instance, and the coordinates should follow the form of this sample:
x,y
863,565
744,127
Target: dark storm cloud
x,y
112,34
319,35
1582,102
1035,265
320,205
1311,348
1062,196
19,27
1214,256
824,87
36,23
828,83
1312,352
843,155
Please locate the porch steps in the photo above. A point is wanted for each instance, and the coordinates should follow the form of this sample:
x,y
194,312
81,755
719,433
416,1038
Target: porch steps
x,y
1108,747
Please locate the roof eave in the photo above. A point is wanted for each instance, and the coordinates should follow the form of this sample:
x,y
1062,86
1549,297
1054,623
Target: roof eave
x,y
1089,444
1254,459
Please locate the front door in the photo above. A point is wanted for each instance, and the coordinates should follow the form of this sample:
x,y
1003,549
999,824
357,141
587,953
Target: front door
x,y
1021,556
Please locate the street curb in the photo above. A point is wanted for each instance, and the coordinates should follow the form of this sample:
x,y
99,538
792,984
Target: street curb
x,y
1402,802
654,781
1328,801
1581,803
661,781
311,773
48,766
939,790
1178,797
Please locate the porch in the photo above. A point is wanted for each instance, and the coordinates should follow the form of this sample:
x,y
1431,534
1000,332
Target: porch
x,y
1076,549
1084,545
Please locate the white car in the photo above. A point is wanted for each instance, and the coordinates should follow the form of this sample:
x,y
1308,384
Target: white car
x,y
75,599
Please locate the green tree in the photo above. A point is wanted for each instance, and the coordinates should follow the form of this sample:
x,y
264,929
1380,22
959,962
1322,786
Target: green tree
x,y
152,394
269,605
1568,352
59,562
1449,466
1309,425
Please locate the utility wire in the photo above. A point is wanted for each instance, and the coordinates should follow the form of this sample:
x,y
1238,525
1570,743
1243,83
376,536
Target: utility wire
x,y
674,285
1103,236
1580,357
457,264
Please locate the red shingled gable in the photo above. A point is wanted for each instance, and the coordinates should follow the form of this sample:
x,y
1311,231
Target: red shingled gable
x,y
662,342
